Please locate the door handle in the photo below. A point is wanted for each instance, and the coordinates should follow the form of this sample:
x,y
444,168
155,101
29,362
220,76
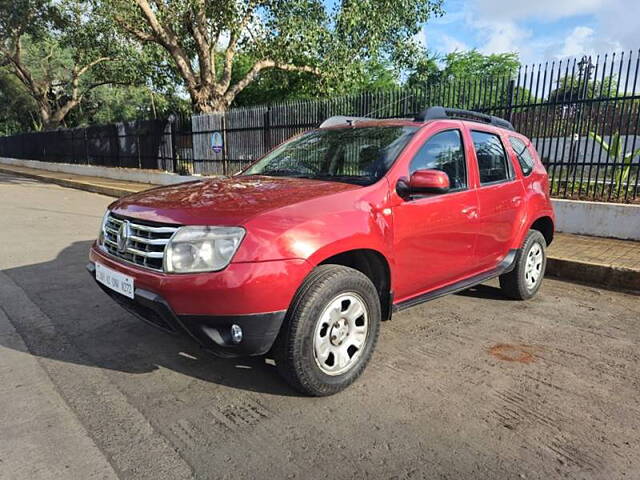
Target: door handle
x,y
470,212
516,201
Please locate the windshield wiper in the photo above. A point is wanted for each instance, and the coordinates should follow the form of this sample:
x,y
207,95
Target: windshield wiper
x,y
355,179
284,173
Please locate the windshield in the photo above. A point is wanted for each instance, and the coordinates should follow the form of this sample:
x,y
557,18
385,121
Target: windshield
x,y
355,155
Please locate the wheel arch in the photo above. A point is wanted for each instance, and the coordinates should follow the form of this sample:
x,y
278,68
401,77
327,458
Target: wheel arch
x,y
374,265
545,226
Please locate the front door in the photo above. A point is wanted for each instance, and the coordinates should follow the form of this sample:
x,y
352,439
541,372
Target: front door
x,y
435,234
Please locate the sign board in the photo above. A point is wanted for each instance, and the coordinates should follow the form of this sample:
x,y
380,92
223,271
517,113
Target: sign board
x,y
217,142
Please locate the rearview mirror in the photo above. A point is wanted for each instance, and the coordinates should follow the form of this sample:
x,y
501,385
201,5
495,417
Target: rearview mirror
x,y
429,181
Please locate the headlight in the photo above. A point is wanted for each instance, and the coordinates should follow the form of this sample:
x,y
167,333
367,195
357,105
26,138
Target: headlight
x,y
102,225
202,249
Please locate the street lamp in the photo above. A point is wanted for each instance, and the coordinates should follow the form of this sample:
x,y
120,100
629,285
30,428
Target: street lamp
x,y
585,66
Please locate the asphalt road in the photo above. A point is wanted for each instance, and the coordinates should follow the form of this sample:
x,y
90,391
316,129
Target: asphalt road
x,y
467,386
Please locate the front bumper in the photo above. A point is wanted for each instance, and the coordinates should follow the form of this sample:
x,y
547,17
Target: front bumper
x,y
211,332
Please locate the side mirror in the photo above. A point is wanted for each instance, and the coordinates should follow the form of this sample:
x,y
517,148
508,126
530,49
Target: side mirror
x,y
427,181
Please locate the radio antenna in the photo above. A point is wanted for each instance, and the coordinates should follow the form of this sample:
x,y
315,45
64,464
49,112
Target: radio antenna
x,y
388,104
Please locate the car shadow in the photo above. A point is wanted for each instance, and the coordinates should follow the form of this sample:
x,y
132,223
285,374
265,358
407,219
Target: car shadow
x,y
486,292
99,333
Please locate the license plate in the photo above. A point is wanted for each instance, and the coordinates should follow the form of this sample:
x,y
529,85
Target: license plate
x,y
116,281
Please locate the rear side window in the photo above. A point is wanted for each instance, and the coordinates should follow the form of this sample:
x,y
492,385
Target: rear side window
x,y
443,152
525,159
492,159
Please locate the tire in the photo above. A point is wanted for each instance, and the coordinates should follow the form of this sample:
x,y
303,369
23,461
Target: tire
x,y
524,281
314,327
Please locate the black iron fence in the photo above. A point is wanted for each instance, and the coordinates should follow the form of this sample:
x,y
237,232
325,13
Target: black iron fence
x,y
583,116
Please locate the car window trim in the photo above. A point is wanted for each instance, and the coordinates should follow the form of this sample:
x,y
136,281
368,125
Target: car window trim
x,y
512,177
464,156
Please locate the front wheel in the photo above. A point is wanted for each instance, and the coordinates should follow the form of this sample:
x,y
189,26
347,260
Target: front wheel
x,y
330,331
524,281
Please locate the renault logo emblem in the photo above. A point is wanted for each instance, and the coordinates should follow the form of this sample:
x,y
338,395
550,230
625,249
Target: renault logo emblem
x,y
122,239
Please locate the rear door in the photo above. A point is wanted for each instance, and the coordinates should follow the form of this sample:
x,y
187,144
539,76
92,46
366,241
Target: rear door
x,y
500,196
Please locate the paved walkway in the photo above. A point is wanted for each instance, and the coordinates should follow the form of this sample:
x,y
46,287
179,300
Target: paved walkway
x,y
597,250
105,186
592,260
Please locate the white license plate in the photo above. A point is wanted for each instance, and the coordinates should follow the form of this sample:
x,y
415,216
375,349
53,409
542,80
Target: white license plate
x,y
116,281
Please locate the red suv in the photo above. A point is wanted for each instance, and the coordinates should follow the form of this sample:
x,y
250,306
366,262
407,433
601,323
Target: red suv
x,y
307,250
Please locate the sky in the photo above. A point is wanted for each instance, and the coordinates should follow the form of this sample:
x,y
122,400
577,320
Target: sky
x,y
538,30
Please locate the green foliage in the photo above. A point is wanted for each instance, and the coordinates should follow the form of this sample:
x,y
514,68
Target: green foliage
x,y
369,33
16,107
616,152
573,88
217,49
469,65
473,64
469,80
59,51
122,103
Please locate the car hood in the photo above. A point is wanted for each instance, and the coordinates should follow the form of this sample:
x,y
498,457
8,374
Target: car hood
x,y
222,201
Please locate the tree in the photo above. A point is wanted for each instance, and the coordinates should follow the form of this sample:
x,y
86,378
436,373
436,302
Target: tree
x,y
474,64
574,87
121,103
424,70
468,80
462,66
58,52
16,106
202,39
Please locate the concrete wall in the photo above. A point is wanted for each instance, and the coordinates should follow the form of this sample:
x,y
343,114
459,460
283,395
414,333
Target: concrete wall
x,y
613,220
600,219
153,177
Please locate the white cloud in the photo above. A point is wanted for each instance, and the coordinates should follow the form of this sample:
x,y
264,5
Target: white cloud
x,y
450,44
540,9
502,36
619,23
499,27
575,43
437,41
538,30
582,40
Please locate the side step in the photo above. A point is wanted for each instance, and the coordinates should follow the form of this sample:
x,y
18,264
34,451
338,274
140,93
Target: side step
x,y
505,266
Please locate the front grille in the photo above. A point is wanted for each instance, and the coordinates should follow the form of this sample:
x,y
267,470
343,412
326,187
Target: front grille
x,y
146,243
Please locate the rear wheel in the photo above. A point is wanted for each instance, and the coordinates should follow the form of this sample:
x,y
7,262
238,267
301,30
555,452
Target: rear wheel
x,y
524,281
330,331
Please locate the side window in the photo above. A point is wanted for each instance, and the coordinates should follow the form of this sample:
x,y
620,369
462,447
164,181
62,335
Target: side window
x,y
444,152
522,154
492,159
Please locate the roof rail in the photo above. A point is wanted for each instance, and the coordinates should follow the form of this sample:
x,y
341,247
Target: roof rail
x,y
440,113
342,120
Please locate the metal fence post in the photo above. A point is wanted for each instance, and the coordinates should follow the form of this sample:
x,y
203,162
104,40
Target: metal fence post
x,y
172,136
266,129
225,159
138,148
510,92
86,146
118,145
73,147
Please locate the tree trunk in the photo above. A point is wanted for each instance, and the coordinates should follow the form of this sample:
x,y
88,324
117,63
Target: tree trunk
x,y
207,101
48,121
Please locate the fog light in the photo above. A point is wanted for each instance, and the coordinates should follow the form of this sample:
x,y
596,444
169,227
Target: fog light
x,y
236,333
